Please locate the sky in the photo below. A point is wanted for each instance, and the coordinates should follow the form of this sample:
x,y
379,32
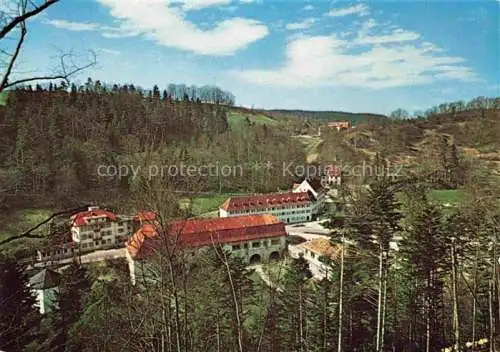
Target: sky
x,y
318,55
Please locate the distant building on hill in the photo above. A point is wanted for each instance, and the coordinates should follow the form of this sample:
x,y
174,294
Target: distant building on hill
x,y
289,207
255,238
338,125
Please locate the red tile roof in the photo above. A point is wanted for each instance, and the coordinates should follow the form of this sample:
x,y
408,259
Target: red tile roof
x,y
145,216
270,200
332,170
81,219
205,232
339,124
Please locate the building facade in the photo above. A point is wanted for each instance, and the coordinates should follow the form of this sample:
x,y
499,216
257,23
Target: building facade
x,y
289,207
313,251
45,286
315,187
255,238
99,229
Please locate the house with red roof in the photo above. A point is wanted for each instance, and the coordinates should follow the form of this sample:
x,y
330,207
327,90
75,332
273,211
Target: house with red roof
x,y
288,207
255,238
98,228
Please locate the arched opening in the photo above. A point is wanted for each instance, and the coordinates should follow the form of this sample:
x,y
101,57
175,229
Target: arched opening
x,y
287,220
307,217
255,259
274,256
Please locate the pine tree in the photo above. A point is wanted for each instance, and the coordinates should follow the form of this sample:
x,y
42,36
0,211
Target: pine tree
x,y
73,290
293,306
19,317
375,226
426,251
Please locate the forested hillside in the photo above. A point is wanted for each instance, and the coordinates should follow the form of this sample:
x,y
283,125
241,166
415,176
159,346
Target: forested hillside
x,y
54,141
326,116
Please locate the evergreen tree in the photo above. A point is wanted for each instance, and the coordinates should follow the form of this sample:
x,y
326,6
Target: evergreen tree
x,y
73,291
293,306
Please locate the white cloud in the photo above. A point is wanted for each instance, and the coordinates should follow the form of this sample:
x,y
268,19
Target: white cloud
x,y
397,35
110,51
73,26
307,23
188,5
368,60
167,25
358,9
311,7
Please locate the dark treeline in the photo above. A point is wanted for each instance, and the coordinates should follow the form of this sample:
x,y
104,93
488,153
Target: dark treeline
x,y
204,94
478,104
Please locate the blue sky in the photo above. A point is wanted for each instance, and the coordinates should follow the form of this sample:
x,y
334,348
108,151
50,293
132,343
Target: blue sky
x,y
322,55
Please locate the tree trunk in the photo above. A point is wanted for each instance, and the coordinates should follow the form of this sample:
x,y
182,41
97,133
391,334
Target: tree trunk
x,y
456,325
379,300
384,304
492,318
474,302
300,319
341,289
428,318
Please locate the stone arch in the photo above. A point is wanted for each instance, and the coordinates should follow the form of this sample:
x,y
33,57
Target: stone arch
x,y
274,256
255,259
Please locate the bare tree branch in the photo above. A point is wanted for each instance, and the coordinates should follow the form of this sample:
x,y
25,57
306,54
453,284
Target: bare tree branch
x,y
24,16
65,73
67,65
29,233
7,73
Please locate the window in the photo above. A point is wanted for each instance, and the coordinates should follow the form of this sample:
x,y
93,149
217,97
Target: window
x,y
275,242
84,245
313,255
245,245
236,247
255,244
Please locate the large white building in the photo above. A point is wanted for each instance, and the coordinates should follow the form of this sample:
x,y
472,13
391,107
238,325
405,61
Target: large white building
x,y
314,187
99,228
289,207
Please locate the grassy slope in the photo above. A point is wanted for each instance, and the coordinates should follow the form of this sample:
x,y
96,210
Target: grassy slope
x,y
205,204
443,196
3,98
21,221
238,119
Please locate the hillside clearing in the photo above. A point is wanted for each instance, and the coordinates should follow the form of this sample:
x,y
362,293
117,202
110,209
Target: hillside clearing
x,y
237,120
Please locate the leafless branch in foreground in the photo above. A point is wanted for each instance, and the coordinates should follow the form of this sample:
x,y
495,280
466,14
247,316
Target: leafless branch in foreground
x,y
67,66
29,233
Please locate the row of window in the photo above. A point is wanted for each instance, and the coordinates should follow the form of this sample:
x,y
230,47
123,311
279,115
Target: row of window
x,y
97,243
58,252
256,244
263,210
